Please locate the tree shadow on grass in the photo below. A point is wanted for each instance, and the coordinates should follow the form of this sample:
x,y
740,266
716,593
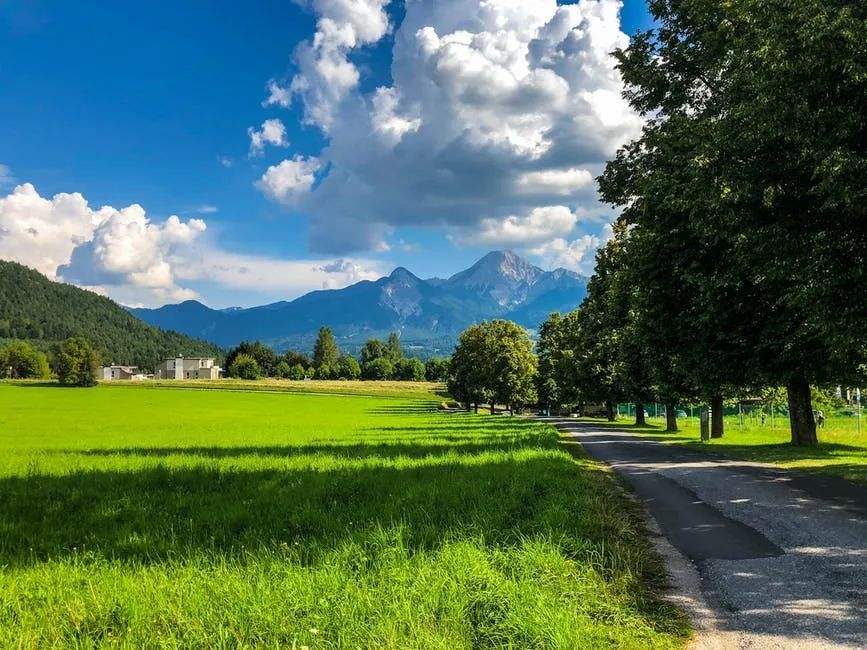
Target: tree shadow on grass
x,y
460,445
153,514
831,453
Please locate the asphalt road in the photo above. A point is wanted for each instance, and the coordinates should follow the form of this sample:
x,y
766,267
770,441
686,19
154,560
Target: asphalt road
x,y
778,559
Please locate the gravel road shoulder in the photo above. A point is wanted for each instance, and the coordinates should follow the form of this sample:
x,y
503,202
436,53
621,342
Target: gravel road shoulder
x,y
761,557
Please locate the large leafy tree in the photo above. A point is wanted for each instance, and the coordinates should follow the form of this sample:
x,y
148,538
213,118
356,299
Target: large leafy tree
x,y
467,373
20,360
77,362
266,360
754,156
245,366
326,355
394,349
512,366
494,363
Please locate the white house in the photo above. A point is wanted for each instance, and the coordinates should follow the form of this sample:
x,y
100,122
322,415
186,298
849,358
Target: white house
x,y
122,373
187,368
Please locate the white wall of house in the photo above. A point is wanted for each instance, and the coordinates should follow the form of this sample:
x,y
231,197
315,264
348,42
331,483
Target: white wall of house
x,y
187,368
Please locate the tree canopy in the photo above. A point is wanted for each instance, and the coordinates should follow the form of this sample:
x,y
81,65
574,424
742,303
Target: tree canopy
x,y
744,196
77,362
20,360
494,363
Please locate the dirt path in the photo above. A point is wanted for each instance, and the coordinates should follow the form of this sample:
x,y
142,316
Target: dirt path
x,y
762,557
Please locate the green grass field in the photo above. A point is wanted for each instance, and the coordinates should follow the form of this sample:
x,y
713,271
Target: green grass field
x,y
842,451
140,516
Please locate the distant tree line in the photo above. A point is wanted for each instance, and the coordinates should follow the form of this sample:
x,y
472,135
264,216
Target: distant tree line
x,y
379,360
75,362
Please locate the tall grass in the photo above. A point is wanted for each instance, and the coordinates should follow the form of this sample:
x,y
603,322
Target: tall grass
x,y
149,517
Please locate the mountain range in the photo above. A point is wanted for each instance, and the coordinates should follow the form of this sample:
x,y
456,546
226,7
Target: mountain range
x,y
428,314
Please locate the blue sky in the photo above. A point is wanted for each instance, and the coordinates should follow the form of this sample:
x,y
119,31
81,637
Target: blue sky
x,y
151,104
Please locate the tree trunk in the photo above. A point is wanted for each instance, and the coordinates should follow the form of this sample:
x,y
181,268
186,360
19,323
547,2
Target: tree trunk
x,y
671,417
639,415
716,421
469,407
801,411
476,407
493,409
609,411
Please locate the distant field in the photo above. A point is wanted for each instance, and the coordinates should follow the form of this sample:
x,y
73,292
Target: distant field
x,y
842,451
147,516
419,389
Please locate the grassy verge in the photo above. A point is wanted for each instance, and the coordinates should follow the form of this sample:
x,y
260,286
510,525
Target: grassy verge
x,y
841,452
221,518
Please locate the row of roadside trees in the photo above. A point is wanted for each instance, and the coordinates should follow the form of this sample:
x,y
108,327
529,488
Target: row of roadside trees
x,y
738,261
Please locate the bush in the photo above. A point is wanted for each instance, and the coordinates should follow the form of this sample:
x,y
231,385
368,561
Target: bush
x,y
437,369
297,372
283,370
20,360
328,371
349,368
245,367
77,362
262,354
409,370
378,369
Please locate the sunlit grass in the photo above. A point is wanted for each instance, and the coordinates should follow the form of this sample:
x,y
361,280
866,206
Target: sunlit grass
x,y
220,518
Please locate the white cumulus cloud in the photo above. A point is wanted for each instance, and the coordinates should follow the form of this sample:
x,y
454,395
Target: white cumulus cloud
x,y
127,255
576,255
539,226
272,132
291,180
497,108
42,232
325,73
128,250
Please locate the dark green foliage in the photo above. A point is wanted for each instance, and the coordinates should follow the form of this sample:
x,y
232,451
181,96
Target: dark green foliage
x,y
348,368
77,363
409,370
746,194
373,349
292,358
270,364
45,313
437,369
264,356
283,370
378,369
298,372
244,366
376,349
494,363
20,360
326,355
394,351
386,361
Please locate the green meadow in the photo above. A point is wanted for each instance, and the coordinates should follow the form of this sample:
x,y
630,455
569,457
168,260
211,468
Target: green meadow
x,y
297,516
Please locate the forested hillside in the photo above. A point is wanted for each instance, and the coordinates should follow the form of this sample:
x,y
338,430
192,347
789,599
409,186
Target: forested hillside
x,y
34,308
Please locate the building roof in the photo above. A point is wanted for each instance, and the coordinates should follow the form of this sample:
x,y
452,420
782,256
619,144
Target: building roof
x,y
128,369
